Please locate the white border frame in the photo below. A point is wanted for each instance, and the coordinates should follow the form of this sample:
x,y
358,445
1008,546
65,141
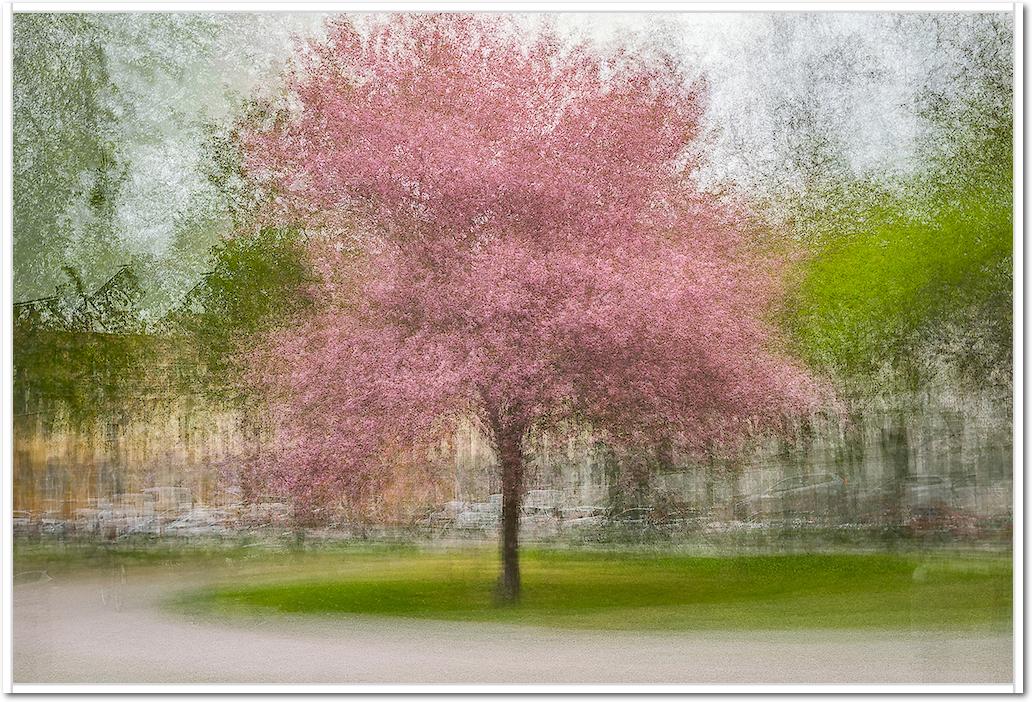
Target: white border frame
x,y
1018,470
6,351
509,6
7,684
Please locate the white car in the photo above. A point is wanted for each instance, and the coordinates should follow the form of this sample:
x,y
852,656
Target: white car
x,y
539,524
822,493
201,522
583,517
540,501
142,525
477,519
51,524
927,491
455,506
22,521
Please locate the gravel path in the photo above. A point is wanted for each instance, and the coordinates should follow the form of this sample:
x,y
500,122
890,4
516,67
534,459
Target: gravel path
x,y
106,631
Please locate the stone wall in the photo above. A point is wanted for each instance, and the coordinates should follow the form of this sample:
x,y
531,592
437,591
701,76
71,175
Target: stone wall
x,y
194,446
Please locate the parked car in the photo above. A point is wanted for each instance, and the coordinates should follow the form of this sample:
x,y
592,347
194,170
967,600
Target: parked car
x,y
455,506
23,522
538,524
681,520
145,525
477,515
267,510
476,519
924,491
542,501
634,517
896,499
201,522
583,517
437,520
53,525
445,517
819,494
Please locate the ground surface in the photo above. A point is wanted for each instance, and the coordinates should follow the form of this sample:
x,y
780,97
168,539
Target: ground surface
x,y
639,591
114,624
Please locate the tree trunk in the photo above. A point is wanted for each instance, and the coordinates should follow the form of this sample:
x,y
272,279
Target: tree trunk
x,y
511,456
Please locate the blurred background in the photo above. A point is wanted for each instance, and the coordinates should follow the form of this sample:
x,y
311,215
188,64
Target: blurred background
x,y
877,146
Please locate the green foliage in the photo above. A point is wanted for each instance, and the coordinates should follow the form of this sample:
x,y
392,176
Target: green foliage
x,y
80,355
910,283
256,283
66,174
642,592
896,287
96,98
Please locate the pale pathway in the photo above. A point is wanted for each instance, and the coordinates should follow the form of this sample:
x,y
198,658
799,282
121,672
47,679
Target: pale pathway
x,y
99,632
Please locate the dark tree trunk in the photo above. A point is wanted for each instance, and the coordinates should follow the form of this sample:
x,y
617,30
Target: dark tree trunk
x,y
510,449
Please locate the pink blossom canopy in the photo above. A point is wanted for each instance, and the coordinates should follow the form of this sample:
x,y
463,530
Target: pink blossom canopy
x,y
507,232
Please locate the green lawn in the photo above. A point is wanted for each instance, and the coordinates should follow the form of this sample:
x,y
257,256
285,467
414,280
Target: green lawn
x,y
636,591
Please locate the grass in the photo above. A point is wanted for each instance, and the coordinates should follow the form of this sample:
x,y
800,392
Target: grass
x,y
626,591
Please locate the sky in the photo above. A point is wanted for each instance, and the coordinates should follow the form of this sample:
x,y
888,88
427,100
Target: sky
x,y
784,91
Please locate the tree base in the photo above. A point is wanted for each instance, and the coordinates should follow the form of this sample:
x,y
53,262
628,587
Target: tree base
x,y
506,594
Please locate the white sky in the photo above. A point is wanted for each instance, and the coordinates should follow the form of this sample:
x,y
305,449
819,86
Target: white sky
x,y
775,80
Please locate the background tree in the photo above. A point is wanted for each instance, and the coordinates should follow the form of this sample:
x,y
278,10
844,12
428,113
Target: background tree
x,y
83,354
912,280
257,282
113,119
67,173
527,253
